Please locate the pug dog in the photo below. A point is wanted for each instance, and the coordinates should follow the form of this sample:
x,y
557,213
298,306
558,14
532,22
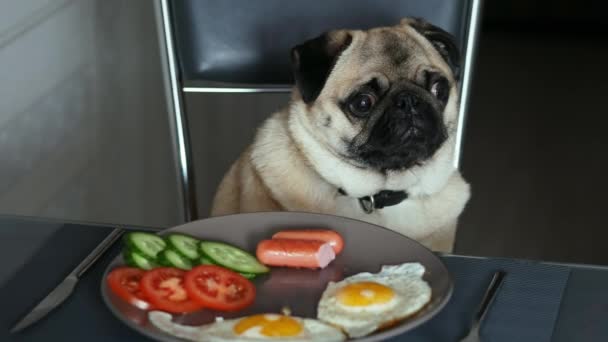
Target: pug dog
x,y
369,134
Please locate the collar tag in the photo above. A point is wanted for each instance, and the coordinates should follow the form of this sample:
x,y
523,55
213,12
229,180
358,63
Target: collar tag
x,y
384,198
368,204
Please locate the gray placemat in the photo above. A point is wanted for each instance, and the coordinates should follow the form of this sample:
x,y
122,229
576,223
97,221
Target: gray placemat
x,y
525,309
83,316
584,311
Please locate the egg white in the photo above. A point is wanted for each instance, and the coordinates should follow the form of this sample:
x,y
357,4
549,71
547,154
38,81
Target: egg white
x,y
223,330
411,293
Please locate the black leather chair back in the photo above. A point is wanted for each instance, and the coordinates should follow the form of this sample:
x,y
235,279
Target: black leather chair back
x,y
248,41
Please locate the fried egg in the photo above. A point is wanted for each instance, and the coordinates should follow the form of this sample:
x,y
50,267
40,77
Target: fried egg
x,y
366,302
261,327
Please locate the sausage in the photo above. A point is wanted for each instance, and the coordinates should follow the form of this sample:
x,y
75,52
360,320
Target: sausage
x,y
295,253
334,239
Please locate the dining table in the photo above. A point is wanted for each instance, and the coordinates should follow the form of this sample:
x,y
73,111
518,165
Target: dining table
x,y
539,300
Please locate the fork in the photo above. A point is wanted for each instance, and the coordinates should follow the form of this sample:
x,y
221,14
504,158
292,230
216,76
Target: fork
x,y
488,298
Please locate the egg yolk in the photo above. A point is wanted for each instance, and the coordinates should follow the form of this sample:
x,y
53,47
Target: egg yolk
x,y
364,294
271,325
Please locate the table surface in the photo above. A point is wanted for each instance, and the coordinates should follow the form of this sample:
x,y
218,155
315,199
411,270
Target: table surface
x,y
583,309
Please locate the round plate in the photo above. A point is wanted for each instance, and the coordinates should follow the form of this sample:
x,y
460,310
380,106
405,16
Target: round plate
x,y
367,248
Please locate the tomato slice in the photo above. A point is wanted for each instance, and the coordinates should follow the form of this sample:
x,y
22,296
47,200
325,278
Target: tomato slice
x,y
125,283
164,288
218,288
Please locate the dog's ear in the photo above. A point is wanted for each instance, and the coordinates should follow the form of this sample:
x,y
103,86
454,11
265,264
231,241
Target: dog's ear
x,y
441,40
313,60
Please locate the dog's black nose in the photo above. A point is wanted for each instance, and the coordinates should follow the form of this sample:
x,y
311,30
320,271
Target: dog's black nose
x,y
407,102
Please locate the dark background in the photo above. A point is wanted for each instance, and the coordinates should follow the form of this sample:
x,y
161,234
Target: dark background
x,y
559,16
535,146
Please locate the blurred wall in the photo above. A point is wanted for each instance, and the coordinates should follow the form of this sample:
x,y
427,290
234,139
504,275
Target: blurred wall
x,y
83,126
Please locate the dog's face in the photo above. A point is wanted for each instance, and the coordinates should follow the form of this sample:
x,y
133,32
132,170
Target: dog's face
x,y
381,99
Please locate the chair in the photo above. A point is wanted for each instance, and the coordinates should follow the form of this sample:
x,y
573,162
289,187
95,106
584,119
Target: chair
x,y
234,46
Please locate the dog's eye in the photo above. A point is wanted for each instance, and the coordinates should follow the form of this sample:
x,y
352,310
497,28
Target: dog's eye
x,y
438,86
440,89
361,104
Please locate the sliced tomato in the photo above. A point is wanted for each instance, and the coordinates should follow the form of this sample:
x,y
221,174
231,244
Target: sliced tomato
x,y
125,283
218,288
164,288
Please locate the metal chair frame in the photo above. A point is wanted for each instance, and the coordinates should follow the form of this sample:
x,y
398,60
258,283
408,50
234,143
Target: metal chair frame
x,y
175,89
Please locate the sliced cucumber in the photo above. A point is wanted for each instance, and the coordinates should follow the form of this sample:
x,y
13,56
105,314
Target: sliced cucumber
x,y
185,245
232,257
171,258
203,260
135,259
146,244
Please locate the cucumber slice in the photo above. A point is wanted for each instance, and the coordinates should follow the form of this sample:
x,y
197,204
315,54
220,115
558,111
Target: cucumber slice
x,y
171,258
185,245
248,275
135,259
146,244
232,257
203,260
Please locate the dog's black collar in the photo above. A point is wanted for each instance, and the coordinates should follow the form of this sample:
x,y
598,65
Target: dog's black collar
x,y
384,198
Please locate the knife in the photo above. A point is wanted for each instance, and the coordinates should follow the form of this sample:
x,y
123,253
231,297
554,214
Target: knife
x,y
66,287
